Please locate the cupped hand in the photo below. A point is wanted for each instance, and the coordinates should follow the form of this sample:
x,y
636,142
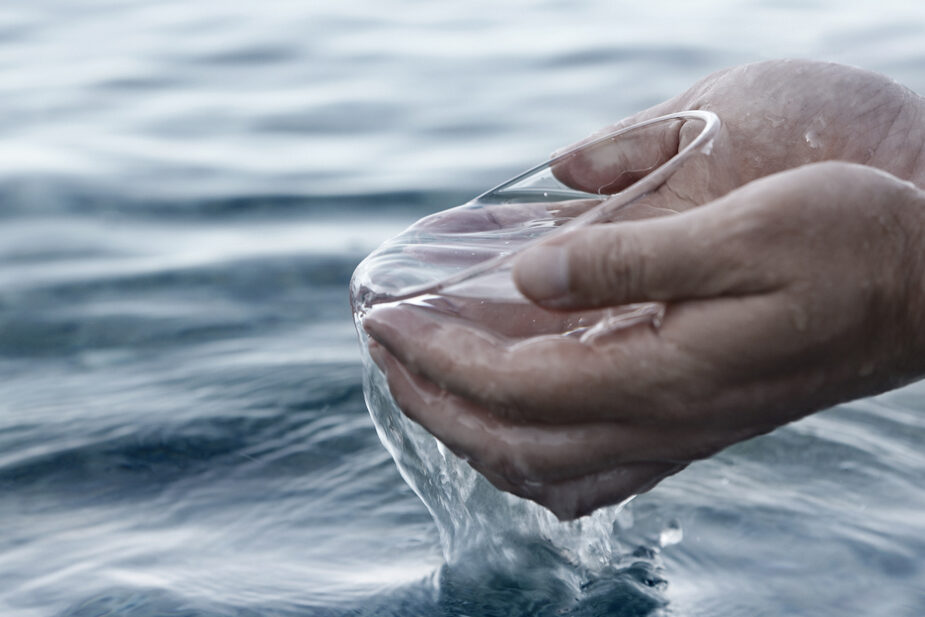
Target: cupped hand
x,y
775,115
785,296
794,288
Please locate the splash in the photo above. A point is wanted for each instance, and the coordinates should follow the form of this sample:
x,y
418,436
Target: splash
x,y
459,260
471,514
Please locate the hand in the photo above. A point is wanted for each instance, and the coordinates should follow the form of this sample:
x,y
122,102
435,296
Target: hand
x,y
775,115
788,295
784,296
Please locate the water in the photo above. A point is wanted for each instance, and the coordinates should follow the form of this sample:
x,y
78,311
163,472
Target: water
x,y
457,262
185,188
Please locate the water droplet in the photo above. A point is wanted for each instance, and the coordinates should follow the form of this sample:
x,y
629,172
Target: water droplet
x,y
812,138
625,519
672,534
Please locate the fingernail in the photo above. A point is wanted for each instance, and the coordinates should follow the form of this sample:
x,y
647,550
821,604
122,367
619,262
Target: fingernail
x,y
377,353
380,321
542,273
389,325
369,324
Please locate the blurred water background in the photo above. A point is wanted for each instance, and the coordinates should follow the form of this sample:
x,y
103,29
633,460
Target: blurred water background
x,y
185,188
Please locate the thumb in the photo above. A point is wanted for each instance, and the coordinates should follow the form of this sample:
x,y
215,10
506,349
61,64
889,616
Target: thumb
x,y
695,254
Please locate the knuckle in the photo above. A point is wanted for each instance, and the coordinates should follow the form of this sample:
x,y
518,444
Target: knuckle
x,y
612,271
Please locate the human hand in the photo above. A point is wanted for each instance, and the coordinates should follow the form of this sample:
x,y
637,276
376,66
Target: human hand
x,y
443,241
788,295
776,115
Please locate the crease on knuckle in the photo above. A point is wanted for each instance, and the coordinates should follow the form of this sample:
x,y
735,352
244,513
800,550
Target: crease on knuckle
x,y
616,271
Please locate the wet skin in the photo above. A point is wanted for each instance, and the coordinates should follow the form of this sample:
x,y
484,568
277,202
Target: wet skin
x,y
791,267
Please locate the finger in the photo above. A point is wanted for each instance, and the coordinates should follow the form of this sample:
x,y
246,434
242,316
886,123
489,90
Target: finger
x,y
467,432
709,251
612,165
672,105
523,456
579,497
695,374
698,381
551,379
377,354
571,499
477,364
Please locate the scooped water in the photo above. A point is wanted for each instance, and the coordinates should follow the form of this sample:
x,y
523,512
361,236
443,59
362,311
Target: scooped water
x,y
473,516
503,550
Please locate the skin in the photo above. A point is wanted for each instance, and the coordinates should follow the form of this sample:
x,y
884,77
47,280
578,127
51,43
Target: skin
x,y
791,274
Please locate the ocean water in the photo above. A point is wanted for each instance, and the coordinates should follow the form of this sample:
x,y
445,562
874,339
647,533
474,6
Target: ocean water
x,y
185,190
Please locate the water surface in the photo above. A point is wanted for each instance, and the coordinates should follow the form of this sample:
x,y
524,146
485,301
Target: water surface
x,y
185,188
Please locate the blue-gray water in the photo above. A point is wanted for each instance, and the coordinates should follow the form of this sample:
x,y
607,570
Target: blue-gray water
x,y
185,188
